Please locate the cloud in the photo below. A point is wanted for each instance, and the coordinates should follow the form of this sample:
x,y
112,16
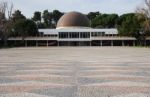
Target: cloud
x,y
105,6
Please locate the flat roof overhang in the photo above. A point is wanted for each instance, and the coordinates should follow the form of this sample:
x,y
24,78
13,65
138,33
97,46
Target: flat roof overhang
x,y
113,38
34,38
75,39
56,31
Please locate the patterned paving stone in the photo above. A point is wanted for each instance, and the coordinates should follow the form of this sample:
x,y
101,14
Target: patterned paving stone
x,y
22,95
58,92
75,72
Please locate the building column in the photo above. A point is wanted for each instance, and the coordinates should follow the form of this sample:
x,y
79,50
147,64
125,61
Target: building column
x,y
26,44
79,35
112,43
15,42
122,42
90,43
69,43
68,35
133,42
101,43
36,43
90,35
145,43
47,43
79,43
58,43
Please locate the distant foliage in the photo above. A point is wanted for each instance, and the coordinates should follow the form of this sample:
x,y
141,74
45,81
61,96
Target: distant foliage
x,y
143,13
128,25
5,21
50,18
24,28
104,21
17,15
37,16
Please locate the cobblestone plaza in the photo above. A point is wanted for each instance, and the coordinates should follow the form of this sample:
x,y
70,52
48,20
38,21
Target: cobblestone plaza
x,y
75,72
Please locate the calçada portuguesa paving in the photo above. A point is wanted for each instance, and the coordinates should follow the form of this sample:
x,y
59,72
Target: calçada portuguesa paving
x,y
75,72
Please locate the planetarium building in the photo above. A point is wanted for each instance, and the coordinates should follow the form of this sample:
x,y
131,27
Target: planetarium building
x,y
73,29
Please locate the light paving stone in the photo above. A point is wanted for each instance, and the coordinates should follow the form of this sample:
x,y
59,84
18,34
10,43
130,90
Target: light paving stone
x,y
75,72
22,95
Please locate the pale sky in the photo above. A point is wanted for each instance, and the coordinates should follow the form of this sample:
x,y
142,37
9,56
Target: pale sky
x,y
28,7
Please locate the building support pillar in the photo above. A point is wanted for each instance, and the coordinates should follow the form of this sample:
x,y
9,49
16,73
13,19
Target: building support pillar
x,y
79,43
36,43
47,43
79,35
101,43
133,42
58,43
112,44
123,43
15,42
26,44
90,43
145,43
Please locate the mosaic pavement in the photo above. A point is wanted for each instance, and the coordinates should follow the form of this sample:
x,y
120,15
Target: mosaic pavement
x,y
75,72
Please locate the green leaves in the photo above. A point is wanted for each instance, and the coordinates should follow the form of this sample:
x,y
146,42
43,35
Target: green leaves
x,y
104,20
128,25
24,28
37,16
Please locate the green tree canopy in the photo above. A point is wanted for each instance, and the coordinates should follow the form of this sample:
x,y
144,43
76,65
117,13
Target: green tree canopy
x,y
56,15
129,25
37,16
105,21
143,13
17,15
92,15
24,28
47,17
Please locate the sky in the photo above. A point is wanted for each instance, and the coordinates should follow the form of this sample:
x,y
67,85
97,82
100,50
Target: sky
x,y
28,7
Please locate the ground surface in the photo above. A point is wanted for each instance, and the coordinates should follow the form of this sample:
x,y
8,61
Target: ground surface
x,y
75,72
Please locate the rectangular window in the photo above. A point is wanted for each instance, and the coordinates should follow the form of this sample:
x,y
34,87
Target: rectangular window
x,y
63,34
97,34
73,34
84,34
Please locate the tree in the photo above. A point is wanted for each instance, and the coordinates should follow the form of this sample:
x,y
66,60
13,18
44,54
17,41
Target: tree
x,y
128,25
5,23
92,15
112,20
96,22
143,13
47,17
17,15
37,16
24,28
2,19
105,21
56,15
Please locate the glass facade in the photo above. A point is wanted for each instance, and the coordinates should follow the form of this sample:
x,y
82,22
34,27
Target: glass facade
x,y
84,34
63,35
74,34
96,34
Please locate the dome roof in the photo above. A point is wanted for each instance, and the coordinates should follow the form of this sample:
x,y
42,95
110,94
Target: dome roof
x,y
73,19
